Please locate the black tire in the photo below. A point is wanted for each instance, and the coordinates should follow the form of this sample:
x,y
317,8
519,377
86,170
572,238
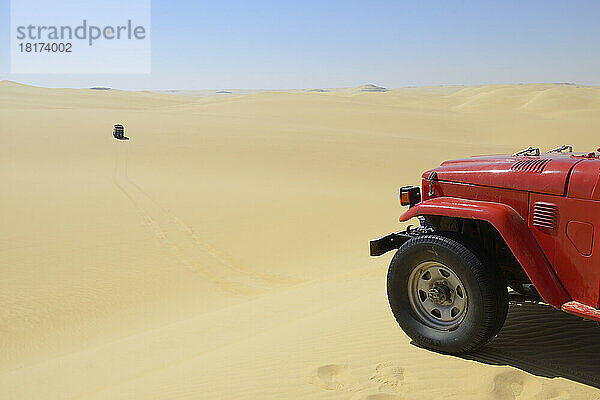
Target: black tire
x,y
485,305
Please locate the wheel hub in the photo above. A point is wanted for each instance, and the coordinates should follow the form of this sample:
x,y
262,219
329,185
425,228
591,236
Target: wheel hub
x,y
440,293
437,295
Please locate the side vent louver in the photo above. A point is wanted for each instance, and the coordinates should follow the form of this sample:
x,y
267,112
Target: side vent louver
x,y
545,215
533,166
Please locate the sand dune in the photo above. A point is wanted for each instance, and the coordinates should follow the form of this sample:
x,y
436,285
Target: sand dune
x,y
536,98
222,251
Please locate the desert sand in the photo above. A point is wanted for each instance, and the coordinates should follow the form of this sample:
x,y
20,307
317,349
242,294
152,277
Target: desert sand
x,y
222,252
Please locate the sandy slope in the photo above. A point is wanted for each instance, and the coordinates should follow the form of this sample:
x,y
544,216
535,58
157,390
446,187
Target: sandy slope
x,y
222,251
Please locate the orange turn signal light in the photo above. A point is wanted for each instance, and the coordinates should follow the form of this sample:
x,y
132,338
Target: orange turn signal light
x,y
410,195
404,198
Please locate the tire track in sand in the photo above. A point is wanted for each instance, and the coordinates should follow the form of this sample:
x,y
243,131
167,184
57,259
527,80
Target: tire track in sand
x,y
186,244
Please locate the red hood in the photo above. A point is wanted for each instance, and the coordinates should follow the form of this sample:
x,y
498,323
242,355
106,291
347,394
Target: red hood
x,y
547,173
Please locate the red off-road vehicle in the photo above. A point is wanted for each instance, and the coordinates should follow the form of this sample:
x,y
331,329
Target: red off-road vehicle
x,y
530,221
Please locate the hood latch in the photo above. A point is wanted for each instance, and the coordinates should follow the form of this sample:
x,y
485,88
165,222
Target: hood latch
x,y
431,179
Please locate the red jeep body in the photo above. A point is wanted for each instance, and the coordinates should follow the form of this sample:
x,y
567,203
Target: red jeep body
x,y
542,209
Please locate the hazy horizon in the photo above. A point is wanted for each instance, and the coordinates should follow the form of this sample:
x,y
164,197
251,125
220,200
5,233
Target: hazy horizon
x,y
242,89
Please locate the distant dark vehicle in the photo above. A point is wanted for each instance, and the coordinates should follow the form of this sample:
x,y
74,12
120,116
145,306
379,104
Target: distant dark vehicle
x,y
119,132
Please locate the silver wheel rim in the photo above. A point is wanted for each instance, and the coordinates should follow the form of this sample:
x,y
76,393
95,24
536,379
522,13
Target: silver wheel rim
x,y
437,295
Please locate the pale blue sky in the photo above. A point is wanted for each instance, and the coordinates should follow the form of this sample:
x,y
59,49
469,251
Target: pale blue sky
x,y
303,44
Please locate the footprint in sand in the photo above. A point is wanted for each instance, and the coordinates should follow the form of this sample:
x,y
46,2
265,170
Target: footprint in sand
x,y
508,385
382,396
388,376
382,385
334,377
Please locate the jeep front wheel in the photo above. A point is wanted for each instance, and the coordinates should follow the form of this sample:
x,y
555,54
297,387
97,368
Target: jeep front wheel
x,y
445,294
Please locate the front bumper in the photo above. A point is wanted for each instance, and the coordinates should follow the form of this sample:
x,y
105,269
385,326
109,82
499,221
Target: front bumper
x,y
388,242
393,241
